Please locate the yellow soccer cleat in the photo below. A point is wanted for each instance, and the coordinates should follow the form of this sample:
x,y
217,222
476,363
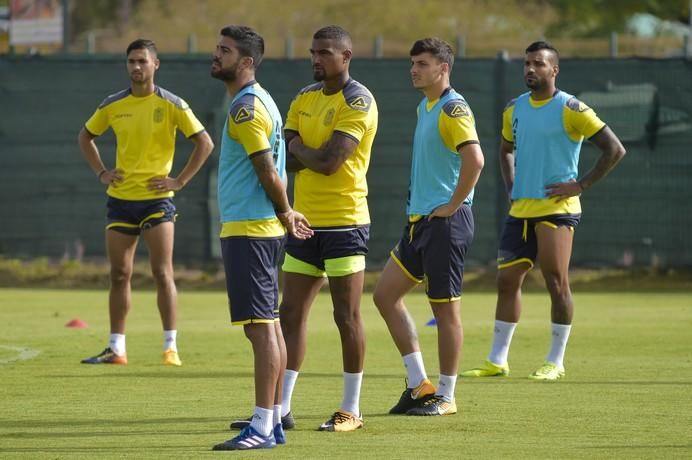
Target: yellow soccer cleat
x,y
171,358
548,372
342,421
488,369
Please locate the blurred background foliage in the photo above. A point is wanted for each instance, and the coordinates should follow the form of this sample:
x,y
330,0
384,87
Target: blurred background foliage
x,y
577,27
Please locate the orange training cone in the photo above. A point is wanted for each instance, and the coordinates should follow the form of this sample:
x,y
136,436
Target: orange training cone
x,y
77,323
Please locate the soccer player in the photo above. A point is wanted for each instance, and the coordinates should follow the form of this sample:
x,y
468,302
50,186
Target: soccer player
x,y
144,118
542,134
447,162
329,132
254,210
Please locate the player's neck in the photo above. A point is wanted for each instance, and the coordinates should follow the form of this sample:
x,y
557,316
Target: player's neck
x,y
233,87
142,89
543,93
336,84
433,92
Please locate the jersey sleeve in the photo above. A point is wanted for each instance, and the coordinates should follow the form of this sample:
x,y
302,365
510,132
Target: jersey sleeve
x,y
580,120
356,116
188,123
250,124
507,133
292,117
99,122
457,125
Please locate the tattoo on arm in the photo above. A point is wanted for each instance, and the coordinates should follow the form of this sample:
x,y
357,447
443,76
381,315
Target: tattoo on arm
x,y
612,152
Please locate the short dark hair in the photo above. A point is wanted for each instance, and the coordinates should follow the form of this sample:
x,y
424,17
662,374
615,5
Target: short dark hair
x,y
248,42
333,32
543,45
437,47
142,44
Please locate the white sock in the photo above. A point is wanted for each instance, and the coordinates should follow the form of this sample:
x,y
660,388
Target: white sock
x,y
290,377
559,343
445,387
502,338
169,342
415,369
352,383
117,344
262,420
277,414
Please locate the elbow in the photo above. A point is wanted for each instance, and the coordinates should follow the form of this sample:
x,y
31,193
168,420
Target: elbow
x,y
621,152
328,168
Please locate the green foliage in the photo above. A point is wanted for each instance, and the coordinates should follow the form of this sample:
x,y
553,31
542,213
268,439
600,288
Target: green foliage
x,y
628,375
591,18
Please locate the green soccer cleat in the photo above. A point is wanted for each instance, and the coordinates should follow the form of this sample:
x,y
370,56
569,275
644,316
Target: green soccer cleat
x,y
488,369
548,372
436,405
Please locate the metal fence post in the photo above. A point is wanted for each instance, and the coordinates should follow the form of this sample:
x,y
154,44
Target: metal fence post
x,y
288,47
91,43
613,44
377,46
192,43
461,46
501,98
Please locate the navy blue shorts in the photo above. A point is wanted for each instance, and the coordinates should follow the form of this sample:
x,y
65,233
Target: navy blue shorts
x,y
434,251
252,277
518,241
133,216
330,244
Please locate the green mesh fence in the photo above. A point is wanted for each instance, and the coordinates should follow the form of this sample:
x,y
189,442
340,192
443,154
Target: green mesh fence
x,y
53,206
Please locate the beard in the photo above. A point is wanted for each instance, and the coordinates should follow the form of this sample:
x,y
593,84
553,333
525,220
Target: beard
x,y
224,73
319,75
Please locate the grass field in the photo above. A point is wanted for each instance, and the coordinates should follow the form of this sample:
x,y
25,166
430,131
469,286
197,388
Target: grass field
x,y
627,394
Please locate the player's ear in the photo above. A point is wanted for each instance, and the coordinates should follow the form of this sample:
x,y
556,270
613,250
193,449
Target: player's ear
x,y
157,63
347,55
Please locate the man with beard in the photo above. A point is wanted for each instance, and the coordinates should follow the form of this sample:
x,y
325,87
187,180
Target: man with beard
x,y
542,133
255,215
144,118
329,132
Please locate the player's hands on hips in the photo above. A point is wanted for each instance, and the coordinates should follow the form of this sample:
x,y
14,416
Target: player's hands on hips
x,y
164,184
111,177
563,190
296,224
445,210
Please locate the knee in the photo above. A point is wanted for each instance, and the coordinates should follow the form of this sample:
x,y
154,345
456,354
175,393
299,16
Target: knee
x,y
507,285
557,283
347,318
380,299
121,275
162,275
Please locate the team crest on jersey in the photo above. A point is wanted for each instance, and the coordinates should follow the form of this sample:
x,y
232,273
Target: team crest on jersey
x,y
329,117
158,115
360,102
243,113
576,105
456,109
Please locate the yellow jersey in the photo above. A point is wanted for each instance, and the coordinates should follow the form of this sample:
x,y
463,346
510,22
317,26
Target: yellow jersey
x,y
145,129
341,198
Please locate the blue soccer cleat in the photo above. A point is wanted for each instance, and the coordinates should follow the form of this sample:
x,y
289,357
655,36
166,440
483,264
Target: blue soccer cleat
x,y
248,439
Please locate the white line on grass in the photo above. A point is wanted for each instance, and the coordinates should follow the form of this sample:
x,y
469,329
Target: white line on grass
x,y
22,354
